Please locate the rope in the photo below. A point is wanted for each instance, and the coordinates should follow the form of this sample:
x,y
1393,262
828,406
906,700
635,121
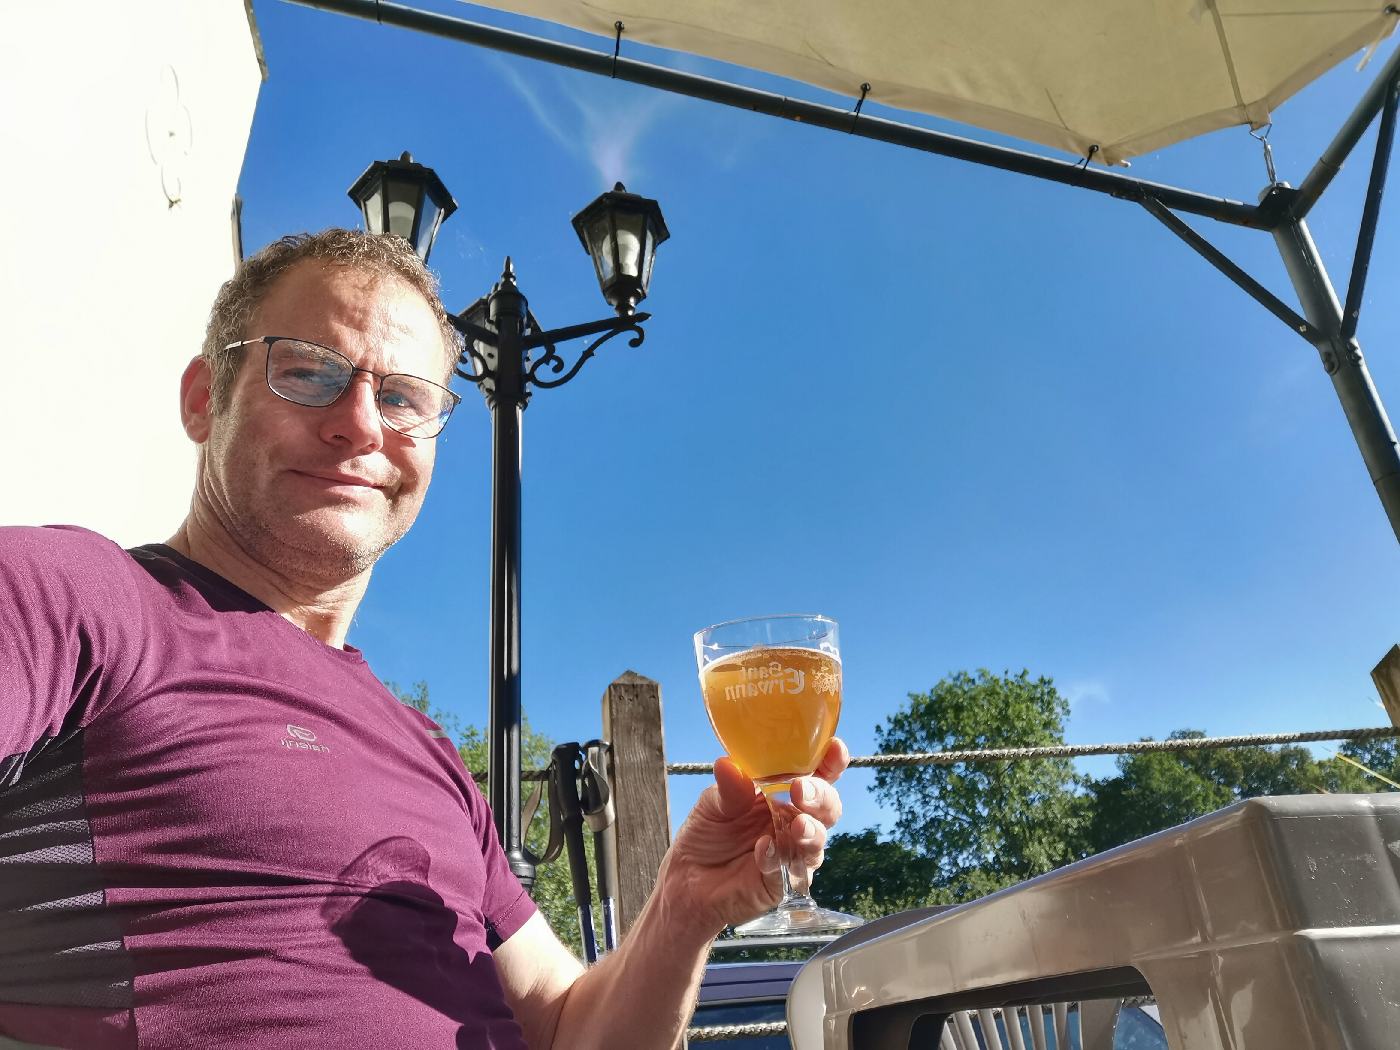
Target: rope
x,y
1137,747
1003,754
715,1033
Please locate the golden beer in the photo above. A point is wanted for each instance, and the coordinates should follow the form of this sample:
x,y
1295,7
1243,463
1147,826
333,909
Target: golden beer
x,y
774,709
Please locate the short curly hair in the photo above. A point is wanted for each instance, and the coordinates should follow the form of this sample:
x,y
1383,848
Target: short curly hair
x,y
381,255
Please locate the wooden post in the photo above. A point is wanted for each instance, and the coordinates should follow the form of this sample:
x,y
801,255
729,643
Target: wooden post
x,y
632,723
1386,675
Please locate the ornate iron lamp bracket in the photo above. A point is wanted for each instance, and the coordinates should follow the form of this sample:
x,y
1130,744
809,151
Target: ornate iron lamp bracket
x,y
472,334
482,370
550,360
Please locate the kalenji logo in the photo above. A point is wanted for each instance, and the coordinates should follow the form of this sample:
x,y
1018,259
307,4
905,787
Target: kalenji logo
x,y
299,739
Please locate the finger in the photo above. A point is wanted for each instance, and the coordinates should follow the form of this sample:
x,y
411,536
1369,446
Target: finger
x,y
809,834
817,797
807,842
803,843
765,855
834,761
736,791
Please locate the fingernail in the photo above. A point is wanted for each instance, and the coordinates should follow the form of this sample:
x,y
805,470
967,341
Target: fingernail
x,y
772,850
809,791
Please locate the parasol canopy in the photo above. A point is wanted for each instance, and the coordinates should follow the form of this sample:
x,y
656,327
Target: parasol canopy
x,y
1126,78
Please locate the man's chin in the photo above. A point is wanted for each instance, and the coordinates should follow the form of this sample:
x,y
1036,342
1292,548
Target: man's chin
x,y
332,545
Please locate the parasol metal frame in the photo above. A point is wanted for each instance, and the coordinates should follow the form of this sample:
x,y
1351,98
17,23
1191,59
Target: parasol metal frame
x,y
1281,211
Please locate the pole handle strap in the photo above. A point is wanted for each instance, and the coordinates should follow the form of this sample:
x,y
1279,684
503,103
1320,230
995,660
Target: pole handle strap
x,y
598,809
555,845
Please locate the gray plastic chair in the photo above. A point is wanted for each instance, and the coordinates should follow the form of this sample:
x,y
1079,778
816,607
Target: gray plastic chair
x,y
1274,923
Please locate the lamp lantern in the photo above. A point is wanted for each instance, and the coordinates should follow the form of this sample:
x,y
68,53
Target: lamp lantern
x,y
621,231
404,198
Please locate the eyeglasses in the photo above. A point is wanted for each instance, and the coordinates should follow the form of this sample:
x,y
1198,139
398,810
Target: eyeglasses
x,y
312,375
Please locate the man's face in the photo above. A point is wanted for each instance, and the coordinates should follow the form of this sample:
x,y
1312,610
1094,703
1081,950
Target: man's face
x,y
318,494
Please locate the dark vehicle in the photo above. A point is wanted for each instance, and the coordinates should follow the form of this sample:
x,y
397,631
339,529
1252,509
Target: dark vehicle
x,y
746,993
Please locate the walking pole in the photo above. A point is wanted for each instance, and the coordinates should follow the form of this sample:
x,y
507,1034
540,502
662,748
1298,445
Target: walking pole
x,y
563,787
599,812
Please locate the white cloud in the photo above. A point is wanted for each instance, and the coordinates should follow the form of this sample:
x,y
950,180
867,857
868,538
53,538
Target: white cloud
x,y
1084,692
590,120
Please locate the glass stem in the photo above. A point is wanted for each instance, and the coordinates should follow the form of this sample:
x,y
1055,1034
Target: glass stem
x,y
784,812
787,882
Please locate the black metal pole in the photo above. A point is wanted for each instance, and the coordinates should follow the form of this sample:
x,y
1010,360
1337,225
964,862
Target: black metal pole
x,y
1344,364
1327,166
507,313
1370,213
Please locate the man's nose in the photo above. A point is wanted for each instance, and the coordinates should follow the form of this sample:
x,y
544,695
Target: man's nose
x,y
354,418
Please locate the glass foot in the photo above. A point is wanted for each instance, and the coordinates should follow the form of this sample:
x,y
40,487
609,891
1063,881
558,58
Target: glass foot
x,y
796,916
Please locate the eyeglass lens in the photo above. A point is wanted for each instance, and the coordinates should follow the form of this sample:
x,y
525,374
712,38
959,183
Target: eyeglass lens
x,y
315,376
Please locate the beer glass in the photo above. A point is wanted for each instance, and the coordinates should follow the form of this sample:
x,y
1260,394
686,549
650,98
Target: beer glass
x,y
772,689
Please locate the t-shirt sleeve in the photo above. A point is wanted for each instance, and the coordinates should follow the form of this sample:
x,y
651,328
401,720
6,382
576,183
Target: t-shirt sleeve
x,y
505,905
69,613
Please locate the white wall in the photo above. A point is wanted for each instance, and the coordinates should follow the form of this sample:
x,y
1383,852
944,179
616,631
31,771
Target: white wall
x,y
111,108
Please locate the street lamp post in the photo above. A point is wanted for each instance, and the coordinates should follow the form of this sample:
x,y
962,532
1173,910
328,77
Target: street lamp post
x,y
501,344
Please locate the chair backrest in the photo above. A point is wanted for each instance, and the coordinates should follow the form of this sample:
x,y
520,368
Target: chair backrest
x,y
1275,922
1088,1025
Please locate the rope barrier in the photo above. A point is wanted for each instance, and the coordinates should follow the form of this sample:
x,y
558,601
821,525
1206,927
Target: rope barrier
x,y
1003,754
1137,747
718,1032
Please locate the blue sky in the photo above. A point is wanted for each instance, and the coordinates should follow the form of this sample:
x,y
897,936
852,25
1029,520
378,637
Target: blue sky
x,y
981,420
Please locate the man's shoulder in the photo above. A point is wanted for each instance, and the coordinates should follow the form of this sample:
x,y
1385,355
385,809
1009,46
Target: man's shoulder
x,y
47,562
59,544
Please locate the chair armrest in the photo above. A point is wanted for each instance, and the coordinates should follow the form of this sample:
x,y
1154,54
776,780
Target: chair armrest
x,y
1274,922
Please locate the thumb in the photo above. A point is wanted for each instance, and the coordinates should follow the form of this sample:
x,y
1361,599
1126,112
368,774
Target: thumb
x,y
736,791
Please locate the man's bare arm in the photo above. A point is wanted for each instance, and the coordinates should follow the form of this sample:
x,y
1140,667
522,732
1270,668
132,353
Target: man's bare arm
x,y
719,870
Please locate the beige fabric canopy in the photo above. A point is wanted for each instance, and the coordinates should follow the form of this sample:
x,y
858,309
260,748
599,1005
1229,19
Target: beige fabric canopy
x,y
1128,76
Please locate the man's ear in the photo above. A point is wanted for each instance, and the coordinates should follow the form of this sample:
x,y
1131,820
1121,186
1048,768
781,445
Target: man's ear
x,y
195,399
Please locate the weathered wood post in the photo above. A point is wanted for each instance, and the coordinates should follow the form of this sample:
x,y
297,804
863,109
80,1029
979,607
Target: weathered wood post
x,y
642,827
1386,675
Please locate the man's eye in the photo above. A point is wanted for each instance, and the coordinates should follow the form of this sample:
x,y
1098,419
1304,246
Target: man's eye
x,y
407,402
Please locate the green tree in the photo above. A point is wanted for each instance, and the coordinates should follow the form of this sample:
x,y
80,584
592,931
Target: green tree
x,y
983,825
553,891
1381,759
1160,789
1152,791
867,877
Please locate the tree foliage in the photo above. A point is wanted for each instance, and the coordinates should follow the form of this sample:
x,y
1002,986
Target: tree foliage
x,y
867,877
964,830
983,825
553,892
1380,762
1158,790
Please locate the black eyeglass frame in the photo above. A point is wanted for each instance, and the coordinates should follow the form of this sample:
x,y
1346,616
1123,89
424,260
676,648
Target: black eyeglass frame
x,y
268,340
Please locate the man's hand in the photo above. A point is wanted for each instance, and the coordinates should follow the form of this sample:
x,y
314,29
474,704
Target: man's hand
x,y
725,853
718,870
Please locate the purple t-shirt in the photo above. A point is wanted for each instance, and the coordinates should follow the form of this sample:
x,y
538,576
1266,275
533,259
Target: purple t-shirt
x,y
216,831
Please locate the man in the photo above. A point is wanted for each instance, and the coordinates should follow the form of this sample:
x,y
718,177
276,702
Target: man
x,y
216,827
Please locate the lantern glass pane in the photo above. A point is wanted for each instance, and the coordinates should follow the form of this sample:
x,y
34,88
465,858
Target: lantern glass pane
x,y
601,241
648,257
374,212
630,227
403,197
427,230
